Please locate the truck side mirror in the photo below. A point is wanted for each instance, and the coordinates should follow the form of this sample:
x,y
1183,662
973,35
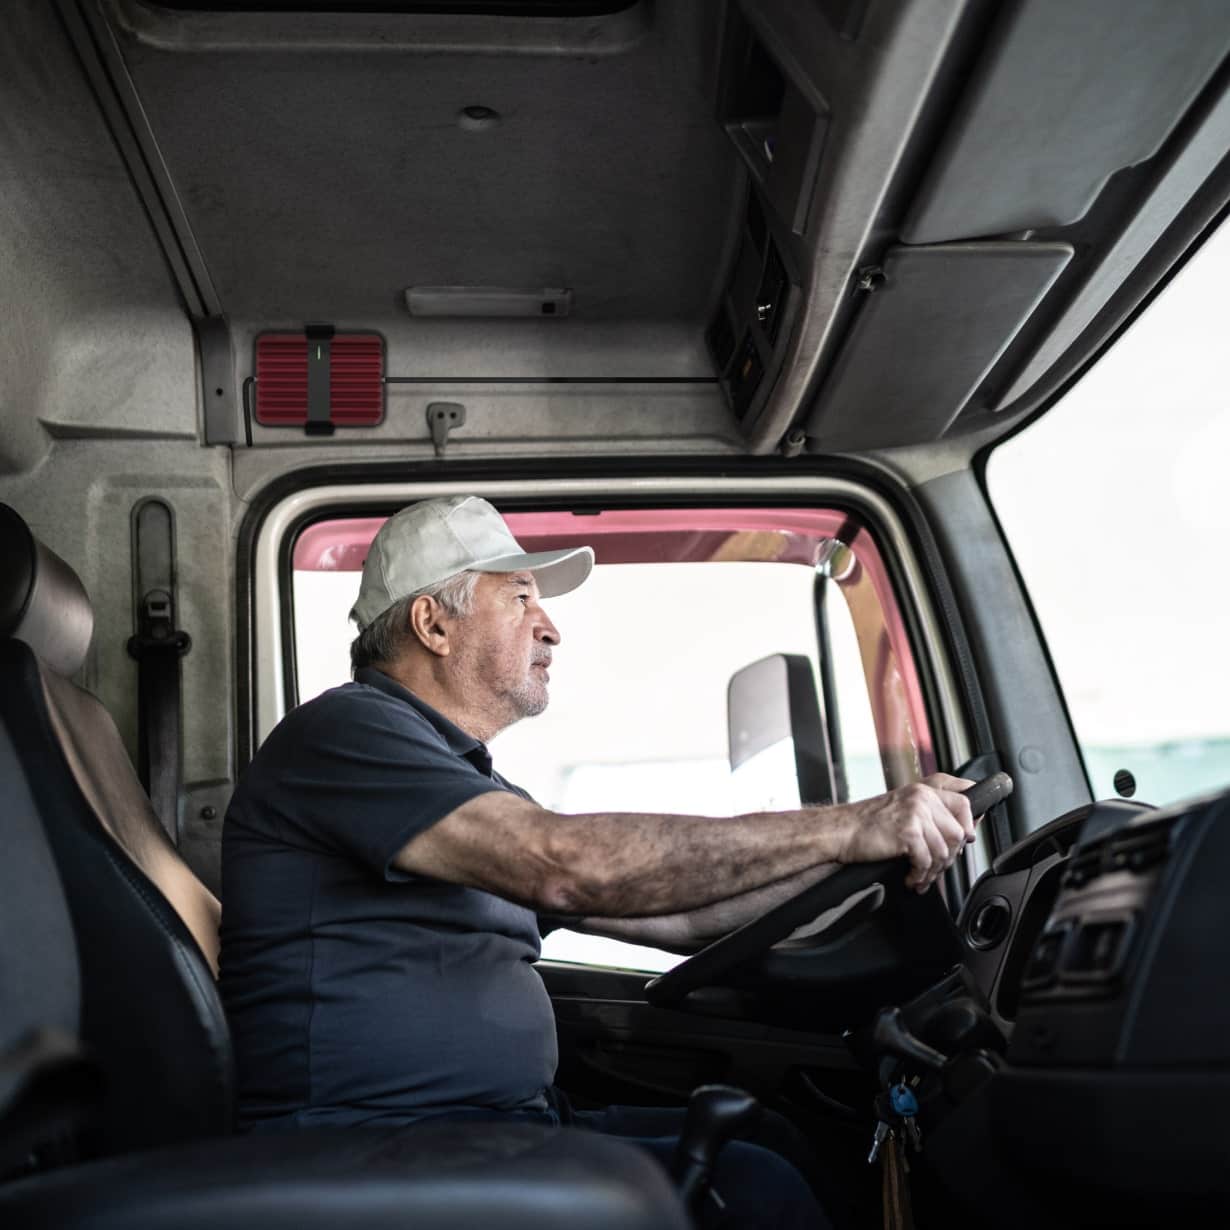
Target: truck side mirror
x,y
774,725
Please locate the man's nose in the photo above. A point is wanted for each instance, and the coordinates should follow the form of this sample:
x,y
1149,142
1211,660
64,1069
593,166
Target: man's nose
x,y
545,630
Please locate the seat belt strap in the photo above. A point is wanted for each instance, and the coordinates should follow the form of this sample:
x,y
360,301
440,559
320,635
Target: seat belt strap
x,y
157,647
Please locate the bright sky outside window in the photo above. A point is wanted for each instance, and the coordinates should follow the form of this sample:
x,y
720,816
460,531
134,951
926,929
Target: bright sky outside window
x,y
1116,506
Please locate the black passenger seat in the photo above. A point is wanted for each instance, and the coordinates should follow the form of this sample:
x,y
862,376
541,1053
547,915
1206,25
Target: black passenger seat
x,y
107,938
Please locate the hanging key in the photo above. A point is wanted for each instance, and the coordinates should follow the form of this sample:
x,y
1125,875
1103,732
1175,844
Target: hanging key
x,y
905,1106
883,1132
903,1100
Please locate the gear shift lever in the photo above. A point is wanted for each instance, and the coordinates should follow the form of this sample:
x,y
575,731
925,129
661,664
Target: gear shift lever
x,y
892,1036
715,1114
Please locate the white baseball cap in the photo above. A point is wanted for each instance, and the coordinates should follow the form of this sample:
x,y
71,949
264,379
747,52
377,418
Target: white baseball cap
x,y
436,539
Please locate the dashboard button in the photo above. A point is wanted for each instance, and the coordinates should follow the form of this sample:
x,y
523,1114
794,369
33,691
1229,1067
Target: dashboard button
x,y
1044,960
1098,949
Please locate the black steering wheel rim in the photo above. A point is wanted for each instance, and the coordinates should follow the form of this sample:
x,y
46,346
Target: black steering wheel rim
x,y
707,967
750,941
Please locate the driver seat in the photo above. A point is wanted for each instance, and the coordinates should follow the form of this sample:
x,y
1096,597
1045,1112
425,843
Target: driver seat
x,y
160,1149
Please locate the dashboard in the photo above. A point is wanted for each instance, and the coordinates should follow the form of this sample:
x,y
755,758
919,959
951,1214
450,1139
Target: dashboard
x,y
1067,1037
1009,907
1101,946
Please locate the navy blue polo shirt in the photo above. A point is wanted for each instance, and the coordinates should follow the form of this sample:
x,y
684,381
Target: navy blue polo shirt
x,y
355,992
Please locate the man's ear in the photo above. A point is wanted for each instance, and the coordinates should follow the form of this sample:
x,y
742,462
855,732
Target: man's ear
x,y
429,624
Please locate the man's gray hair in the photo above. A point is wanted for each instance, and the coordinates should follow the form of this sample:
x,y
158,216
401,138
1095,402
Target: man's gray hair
x,y
382,641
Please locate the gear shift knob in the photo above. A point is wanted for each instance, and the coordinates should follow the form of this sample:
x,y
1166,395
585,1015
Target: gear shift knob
x,y
892,1036
715,1114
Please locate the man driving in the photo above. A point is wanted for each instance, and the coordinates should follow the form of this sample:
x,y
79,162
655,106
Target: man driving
x,y
385,889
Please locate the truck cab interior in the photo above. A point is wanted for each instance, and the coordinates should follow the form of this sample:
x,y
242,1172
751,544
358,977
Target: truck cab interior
x,y
749,295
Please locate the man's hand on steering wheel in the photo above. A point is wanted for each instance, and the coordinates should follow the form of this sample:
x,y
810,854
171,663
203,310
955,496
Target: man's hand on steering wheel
x,y
929,822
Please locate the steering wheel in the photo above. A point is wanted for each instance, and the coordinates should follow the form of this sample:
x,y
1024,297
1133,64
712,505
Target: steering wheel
x,y
708,967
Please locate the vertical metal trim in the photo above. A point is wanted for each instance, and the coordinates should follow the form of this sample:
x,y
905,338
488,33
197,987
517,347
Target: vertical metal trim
x,y
117,96
221,422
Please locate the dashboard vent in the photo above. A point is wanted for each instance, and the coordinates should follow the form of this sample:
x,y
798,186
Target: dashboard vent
x,y
1139,850
1128,850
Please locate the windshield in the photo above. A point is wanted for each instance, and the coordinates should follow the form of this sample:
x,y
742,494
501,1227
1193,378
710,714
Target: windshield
x,y
681,601
1115,504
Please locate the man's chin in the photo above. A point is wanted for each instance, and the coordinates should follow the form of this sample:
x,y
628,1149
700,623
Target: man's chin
x,y
532,701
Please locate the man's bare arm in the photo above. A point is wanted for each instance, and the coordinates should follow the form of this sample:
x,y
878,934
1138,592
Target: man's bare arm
x,y
617,865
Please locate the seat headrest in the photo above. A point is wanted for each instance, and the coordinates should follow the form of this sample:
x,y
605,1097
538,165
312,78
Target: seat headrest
x,y
42,600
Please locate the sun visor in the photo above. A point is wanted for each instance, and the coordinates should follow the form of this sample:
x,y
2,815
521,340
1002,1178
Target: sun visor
x,y
926,334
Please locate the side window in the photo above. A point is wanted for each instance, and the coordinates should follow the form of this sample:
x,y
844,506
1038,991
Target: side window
x,y
680,600
1114,504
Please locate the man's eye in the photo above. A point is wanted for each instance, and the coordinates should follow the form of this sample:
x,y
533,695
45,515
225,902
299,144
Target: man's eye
x,y
523,598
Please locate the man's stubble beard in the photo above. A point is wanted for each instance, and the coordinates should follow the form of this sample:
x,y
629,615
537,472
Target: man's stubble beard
x,y
530,698
527,698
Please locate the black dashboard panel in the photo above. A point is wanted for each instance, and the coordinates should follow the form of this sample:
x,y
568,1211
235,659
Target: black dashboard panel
x,y
1009,906
1114,973
1133,966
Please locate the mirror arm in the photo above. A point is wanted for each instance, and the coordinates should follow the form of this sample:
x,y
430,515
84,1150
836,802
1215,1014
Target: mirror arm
x,y
828,692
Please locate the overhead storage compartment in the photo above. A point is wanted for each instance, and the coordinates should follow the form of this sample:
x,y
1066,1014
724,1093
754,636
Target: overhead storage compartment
x,y
924,339
1065,96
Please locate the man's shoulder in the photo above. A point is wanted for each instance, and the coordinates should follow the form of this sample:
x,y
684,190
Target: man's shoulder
x,y
355,710
353,733
349,695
